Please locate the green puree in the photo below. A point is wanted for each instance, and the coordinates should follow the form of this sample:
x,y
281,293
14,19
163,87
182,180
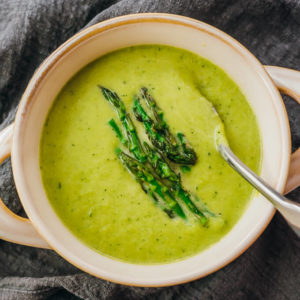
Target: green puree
x,y
96,197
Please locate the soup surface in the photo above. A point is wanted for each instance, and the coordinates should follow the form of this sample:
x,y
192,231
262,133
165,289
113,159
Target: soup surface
x,y
96,197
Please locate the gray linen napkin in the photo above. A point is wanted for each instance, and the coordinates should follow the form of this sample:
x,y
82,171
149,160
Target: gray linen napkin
x,y
30,30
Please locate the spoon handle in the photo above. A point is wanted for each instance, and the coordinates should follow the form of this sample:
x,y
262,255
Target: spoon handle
x,y
289,209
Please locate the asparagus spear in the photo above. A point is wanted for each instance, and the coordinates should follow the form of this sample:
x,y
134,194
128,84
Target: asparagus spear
x,y
172,180
134,145
176,148
151,185
151,182
184,148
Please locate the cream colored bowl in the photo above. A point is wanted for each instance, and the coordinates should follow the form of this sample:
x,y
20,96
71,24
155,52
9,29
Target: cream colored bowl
x,y
21,139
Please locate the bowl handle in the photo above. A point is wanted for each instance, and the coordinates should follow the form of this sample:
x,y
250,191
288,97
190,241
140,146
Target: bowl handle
x,y
288,82
14,228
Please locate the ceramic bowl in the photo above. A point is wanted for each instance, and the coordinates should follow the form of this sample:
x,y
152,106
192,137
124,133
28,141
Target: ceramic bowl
x,y
21,139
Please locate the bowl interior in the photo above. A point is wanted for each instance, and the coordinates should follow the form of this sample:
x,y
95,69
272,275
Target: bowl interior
x,y
100,39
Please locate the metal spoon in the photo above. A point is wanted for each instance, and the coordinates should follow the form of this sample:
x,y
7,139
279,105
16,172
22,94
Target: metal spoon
x,y
289,209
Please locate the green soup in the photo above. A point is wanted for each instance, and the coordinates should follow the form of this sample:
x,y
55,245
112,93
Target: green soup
x,y
96,197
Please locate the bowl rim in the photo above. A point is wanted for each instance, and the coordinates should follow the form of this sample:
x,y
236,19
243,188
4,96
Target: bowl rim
x,y
78,38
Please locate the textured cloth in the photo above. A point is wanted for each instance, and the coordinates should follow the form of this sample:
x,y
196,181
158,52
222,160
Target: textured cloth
x,y
30,30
